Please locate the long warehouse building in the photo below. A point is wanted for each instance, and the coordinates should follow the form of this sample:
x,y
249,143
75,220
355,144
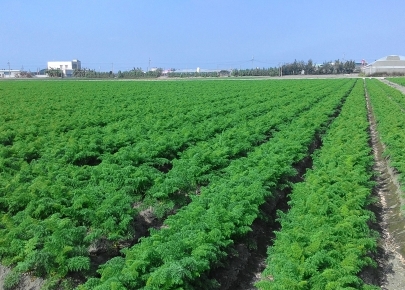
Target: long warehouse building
x,y
388,65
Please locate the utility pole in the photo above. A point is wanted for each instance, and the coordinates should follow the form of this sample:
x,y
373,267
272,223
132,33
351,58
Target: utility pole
x,y
149,65
253,59
9,71
280,69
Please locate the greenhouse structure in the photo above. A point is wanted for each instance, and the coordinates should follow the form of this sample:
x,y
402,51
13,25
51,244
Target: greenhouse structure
x,y
388,65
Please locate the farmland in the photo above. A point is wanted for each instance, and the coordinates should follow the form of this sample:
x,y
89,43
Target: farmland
x,y
400,81
325,239
150,185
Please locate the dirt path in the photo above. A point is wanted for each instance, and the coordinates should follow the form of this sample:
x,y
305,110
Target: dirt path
x,y
391,221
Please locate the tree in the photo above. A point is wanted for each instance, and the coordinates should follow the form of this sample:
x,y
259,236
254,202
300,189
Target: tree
x,y
25,74
54,72
309,67
349,66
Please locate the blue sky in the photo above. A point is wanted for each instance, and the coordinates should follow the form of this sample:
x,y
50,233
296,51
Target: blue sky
x,y
123,34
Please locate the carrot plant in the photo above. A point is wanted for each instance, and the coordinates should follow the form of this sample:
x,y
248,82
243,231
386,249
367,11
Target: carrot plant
x,y
77,157
389,109
399,81
197,164
395,96
197,236
325,241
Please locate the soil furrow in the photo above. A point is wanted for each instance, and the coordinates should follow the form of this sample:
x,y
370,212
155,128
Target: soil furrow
x,y
391,222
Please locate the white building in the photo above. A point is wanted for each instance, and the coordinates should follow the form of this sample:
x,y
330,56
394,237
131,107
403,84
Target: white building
x,y
67,67
9,73
388,65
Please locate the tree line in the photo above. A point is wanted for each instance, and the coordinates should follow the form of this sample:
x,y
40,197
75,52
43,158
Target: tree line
x,y
93,74
299,68
309,68
293,68
138,73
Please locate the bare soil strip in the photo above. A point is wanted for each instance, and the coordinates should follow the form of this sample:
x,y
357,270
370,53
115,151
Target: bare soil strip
x,y
391,221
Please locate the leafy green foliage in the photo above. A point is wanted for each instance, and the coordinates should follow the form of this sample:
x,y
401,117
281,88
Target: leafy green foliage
x,y
399,81
389,108
76,158
197,164
11,280
197,236
325,240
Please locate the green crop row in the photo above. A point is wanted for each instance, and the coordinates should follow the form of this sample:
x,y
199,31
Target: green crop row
x,y
394,95
399,81
76,156
97,127
390,117
199,163
325,241
196,238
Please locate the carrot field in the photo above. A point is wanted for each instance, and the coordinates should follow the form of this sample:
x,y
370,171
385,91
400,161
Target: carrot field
x,y
398,80
150,184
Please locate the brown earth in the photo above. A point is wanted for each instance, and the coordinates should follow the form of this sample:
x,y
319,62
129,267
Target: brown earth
x,y
390,217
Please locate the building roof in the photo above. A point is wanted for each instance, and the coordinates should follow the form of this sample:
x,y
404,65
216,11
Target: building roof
x,y
75,60
389,61
193,70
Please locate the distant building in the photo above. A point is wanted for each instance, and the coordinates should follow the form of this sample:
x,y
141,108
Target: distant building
x,y
197,70
9,73
388,65
358,66
67,67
